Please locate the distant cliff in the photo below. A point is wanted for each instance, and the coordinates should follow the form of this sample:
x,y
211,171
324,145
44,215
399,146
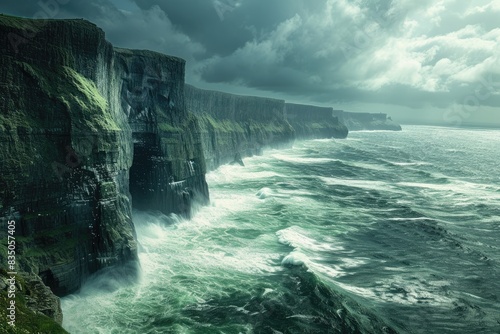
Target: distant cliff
x,y
82,126
233,125
315,122
366,121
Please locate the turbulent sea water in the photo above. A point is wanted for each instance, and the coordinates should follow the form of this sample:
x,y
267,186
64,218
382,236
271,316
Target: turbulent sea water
x,y
382,232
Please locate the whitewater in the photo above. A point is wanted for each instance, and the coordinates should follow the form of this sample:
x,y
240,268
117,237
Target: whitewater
x,y
383,232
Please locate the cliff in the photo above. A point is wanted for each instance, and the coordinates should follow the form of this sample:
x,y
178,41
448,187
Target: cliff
x,y
168,169
66,152
233,125
315,122
82,128
367,121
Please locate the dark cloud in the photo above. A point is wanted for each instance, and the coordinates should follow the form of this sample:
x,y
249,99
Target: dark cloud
x,y
223,26
419,55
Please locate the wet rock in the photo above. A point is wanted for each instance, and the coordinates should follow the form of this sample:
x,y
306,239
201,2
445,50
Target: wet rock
x,y
40,298
237,160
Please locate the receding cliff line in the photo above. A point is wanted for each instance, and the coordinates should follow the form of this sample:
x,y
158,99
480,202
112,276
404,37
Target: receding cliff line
x,y
366,121
315,122
234,125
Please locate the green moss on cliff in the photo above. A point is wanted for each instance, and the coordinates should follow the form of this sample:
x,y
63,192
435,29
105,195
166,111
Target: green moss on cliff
x,y
222,125
88,109
167,127
27,321
58,245
36,104
14,120
31,26
87,88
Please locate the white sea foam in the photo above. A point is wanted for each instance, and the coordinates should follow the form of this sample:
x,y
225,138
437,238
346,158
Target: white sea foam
x,y
264,193
236,173
326,140
296,237
407,218
305,252
403,290
368,166
295,258
364,184
302,160
469,189
415,163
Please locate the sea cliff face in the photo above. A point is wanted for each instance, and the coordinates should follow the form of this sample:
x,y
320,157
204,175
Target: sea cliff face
x,y
66,150
315,122
233,126
82,127
168,170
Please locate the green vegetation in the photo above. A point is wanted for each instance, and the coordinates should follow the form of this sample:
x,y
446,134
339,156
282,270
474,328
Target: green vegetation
x,y
58,245
87,90
87,108
20,23
167,127
272,127
38,101
223,125
27,321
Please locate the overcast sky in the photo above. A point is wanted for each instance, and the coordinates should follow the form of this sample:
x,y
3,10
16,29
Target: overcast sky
x,y
417,60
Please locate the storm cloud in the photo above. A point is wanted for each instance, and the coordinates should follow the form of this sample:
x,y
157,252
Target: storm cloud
x,y
427,55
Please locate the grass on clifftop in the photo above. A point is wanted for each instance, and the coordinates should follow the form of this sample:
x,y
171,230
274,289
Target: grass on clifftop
x,y
20,23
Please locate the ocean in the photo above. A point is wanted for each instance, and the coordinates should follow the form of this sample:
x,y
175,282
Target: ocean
x,y
382,232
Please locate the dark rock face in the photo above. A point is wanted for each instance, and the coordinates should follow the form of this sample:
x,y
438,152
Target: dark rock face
x,y
233,125
168,170
66,149
41,299
315,122
38,310
367,121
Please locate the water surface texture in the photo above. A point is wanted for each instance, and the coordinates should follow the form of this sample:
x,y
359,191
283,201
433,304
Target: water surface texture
x,y
382,232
